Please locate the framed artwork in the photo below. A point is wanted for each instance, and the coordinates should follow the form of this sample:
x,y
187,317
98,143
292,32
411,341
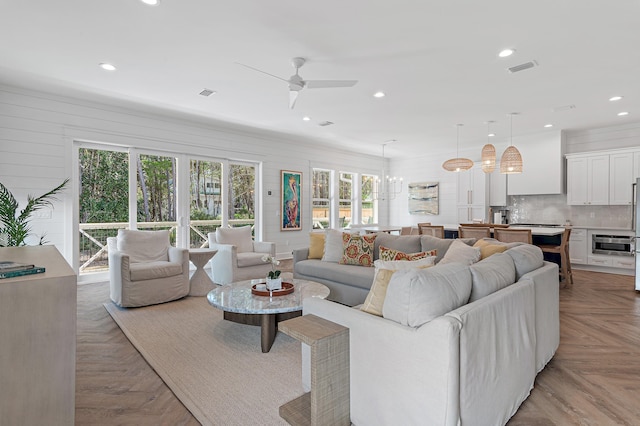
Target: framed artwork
x,y
423,198
290,200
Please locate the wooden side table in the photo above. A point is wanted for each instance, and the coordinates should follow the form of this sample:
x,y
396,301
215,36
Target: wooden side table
x,y
328,401
200,284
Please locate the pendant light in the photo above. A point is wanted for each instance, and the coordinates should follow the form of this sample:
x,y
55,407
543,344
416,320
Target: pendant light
x,y
488,153
511,161
457,164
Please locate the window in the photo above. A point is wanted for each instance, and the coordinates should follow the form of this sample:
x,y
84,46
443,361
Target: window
x,y
321,199
242,194
345,193
205,211
368,205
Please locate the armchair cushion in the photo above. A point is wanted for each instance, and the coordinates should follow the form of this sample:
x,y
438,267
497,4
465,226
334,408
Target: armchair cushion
x,y
239,237
153,270
250,259
143,246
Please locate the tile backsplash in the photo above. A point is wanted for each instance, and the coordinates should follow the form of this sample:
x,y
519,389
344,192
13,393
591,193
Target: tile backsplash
x,y
553,209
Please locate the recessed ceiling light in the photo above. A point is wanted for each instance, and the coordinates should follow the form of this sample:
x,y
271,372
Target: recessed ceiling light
x,y
506,53
548,125
306,118
151,2
615,98
491,135
379,95
108,67
623,113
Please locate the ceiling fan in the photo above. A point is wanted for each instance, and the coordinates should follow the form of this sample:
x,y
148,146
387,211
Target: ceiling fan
x,y
297,83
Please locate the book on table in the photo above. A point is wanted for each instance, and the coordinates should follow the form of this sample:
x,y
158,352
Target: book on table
x,y
7,266
22,272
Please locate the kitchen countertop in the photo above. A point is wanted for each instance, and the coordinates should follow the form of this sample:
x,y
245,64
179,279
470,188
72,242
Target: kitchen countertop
x,y
535,230
605,228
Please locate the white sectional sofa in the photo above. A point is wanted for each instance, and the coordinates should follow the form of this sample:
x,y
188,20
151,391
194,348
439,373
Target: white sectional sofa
x,y
473,365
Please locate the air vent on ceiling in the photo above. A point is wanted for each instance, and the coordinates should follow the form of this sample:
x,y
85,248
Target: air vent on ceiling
x,y
522,67
563,108
207,92
325,123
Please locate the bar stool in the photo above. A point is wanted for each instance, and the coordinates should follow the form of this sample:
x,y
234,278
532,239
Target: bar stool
x,y
563,251
474,232
512,235
433,230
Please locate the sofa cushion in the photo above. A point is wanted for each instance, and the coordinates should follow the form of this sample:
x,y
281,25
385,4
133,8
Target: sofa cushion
x,y
404,243
488,248
350,275
415,297
239,237
332,246
316,245
460,252
153,270
392,254
526,258
491,274
250,259
384,270
143,246
357,249
441,245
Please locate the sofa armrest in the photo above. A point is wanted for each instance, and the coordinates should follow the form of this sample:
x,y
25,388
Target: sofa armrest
x,y
119,275
224,263
300,254
399,374
264,247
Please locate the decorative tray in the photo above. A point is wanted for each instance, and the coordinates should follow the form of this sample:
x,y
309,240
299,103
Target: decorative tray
x,y
287,288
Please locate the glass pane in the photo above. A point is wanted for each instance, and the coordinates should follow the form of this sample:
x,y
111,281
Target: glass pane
x,y
369,205
320,204
242,180
156,194
205,200
103,204
344,188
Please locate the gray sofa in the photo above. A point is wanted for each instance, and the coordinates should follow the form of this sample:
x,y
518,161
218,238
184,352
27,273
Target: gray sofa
x,y
350,284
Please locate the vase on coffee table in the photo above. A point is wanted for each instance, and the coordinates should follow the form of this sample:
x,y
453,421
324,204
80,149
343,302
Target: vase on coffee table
x,y
274,283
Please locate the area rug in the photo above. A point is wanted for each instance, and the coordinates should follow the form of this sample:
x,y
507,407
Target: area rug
x,y
215,367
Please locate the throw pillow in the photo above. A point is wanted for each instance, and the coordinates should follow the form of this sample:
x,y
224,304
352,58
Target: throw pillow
x,y
526,258
357,249
392,254
384,270
239,237
487,248
441,245
316,245
332,246
461,253
491,275
415,297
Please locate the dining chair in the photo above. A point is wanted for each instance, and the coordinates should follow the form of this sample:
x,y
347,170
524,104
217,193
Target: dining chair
x,y
474,232
433,230
421,224
507,235
563,251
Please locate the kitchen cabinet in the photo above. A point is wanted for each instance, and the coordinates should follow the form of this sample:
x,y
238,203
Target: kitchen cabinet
x,y
543,164
472,195
578,246
588,180
497,188
621,171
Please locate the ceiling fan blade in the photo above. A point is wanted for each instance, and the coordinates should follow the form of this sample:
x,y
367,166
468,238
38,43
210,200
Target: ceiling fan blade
x,y
327,84
293,95
263,72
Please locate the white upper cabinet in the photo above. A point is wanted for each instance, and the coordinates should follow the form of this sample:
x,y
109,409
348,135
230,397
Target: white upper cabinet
x,y
543,165
497,188
602,178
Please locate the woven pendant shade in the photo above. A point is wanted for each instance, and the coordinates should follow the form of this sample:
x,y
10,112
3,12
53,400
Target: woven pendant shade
x,y
457,164
511,161
488,158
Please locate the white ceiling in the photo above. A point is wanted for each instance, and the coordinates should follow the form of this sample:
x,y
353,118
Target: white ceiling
x,y
436,61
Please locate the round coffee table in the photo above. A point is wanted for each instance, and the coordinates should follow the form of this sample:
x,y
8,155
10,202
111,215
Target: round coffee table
x,y
241,306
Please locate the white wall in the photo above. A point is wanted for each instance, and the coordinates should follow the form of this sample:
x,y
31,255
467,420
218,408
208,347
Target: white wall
x,y
37,131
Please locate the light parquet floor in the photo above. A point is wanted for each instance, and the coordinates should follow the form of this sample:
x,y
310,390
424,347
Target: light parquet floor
x,y
594,378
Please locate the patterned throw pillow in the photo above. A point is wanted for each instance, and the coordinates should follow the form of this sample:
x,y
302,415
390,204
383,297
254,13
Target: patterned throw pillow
x,y
391,254
357,249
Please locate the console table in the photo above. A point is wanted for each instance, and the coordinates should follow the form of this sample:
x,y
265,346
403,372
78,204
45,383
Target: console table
x,y
328,401
38,349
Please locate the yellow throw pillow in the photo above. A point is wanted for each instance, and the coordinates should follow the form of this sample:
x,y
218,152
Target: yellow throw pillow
x,y
316,245
487,248
375,299
357,249
392,254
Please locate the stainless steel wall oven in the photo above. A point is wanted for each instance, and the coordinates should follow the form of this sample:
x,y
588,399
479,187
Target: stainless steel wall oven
x,y
619,245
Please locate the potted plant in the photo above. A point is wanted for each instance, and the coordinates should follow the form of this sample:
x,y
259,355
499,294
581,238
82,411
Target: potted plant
x,y
15,226
274,281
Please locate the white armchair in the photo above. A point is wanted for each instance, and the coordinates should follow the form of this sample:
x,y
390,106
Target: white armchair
x,y
144,269
239,257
